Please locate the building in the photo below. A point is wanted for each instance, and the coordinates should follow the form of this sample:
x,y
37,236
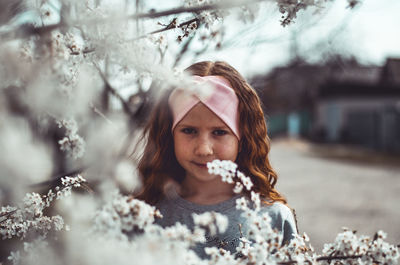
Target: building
x,y
341,101
364,112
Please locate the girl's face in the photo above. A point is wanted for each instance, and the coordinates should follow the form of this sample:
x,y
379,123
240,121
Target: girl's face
x,y
200,137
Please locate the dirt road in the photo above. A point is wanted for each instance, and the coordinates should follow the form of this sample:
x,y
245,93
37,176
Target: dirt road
x,y
329,194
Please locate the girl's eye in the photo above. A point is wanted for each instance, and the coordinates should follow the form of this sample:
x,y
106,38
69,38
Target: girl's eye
x,y
188,130
219,132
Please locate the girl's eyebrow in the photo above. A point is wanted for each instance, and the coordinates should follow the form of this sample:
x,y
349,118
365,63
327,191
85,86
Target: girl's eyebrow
x,y
185,125
220,127
211,127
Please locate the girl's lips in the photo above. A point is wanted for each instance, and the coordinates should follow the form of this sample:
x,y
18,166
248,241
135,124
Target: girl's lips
x,y
200,165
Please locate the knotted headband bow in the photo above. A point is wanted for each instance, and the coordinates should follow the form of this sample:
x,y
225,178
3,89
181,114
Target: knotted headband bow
x,y
220,99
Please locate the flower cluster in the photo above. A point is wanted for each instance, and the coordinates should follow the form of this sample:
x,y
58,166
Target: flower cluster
x,y
32,251
353,3
228,172
290,8
187,29
73,181
298,251
68,183
363,249
212,221
210,19
128,226
124,214
207,17
72,142
29,217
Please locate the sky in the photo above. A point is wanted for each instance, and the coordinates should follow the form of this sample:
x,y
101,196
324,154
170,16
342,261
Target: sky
x,y
370,32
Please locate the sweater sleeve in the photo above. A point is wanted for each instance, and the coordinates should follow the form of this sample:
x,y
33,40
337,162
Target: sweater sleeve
x,y
283,220
289,228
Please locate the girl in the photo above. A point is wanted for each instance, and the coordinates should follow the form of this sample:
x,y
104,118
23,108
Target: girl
x,y
186,131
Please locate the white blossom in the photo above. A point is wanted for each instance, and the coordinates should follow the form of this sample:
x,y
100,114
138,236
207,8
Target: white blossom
x,y
14,257
241,203
126,176
28,217
228,172
72,143
124,214
259,245
214,222
255,197
238,187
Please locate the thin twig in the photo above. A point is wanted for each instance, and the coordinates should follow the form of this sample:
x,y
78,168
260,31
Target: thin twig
x,y
166,28
287,262
183,50
113,91
58,177
6,215
204,49
240,230
85,51
87,188
324,258
339,257
98,112
193,9
137,20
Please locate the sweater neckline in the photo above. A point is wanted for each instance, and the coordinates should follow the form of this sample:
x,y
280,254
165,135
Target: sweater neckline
x,y
217,207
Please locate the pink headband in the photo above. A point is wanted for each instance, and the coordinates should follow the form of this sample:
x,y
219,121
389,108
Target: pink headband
x,y
221,99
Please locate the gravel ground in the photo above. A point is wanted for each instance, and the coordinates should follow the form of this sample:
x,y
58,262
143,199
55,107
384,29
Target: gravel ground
x,y
331,187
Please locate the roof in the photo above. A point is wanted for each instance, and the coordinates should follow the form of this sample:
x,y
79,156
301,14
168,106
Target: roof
x,y
359,90
391,71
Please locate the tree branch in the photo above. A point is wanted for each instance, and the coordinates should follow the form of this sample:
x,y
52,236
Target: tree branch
x,y
84,51
339,257
194,9
98,112
325,258
6,215
29,30
113,91
168,27
55,179
183,50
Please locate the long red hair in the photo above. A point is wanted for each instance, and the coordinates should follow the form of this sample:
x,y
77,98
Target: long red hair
x,y
158,163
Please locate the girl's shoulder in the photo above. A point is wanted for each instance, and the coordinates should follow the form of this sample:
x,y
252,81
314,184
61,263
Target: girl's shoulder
x,y
277,207
283,218
279,211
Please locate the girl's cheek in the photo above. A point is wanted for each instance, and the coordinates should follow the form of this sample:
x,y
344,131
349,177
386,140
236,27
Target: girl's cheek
x,y
186,143
230,146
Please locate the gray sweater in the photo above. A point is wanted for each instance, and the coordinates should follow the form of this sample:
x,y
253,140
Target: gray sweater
x,y
176,209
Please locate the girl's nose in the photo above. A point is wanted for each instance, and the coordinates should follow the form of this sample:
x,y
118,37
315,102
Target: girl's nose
x,y
203,147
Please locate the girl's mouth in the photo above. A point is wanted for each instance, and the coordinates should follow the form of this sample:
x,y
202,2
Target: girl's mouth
x,y
200,165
